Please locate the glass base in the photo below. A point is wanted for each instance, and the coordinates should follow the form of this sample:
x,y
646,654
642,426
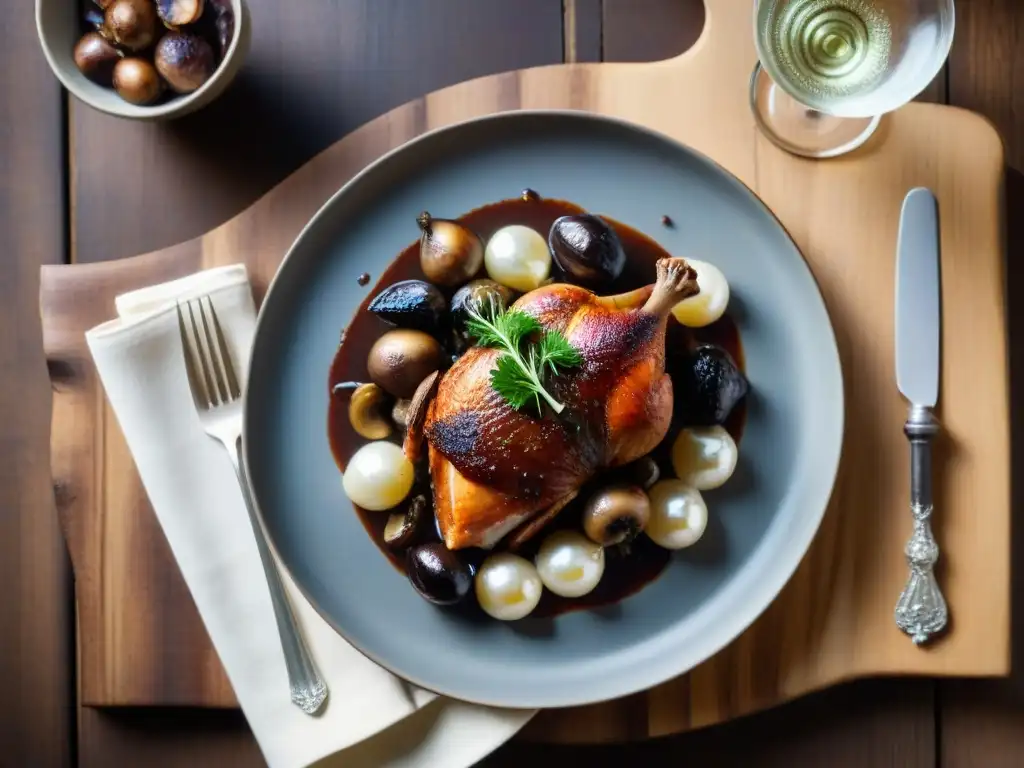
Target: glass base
x,y
801,130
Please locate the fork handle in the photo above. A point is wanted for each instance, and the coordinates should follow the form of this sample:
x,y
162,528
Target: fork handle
x,y
921,611
308,689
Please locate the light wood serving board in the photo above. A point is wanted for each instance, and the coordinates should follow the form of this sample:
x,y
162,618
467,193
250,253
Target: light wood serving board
x,y
141,641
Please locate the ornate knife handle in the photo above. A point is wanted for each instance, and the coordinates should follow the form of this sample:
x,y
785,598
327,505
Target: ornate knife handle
x,y
921,611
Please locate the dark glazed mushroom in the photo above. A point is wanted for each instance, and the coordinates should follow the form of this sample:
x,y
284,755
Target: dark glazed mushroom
x,y
402,527
224,22
400,359
184,60
136,81
450,252
410,304
95,58
479,296
131,23
616,514
175,13
438,574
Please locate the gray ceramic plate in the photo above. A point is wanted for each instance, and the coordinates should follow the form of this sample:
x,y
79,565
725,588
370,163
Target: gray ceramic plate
x,y
762,522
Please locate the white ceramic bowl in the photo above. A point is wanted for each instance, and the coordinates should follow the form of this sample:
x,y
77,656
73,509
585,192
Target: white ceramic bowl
x,y
59,25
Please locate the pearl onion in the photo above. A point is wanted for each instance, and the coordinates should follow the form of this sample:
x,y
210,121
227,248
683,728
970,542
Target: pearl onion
x,y
708,305
704,457
378,476
508,587
518,257
678,514
570,564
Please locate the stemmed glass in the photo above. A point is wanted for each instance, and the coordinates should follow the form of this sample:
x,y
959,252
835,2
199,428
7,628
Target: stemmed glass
x,y
829,69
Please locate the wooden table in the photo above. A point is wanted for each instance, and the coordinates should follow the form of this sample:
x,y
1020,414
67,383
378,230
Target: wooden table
x,y
77,186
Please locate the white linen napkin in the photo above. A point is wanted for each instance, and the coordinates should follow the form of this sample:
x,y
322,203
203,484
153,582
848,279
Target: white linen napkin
x,y
193,491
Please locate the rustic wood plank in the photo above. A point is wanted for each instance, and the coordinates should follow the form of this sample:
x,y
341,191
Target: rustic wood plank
x,y
650,30
316,71
982,722
869,723
581,30
36,621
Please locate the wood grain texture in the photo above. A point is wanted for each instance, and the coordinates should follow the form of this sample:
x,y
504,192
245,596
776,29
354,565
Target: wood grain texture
x,y
313,74
833,621
36,614
869,724
983,721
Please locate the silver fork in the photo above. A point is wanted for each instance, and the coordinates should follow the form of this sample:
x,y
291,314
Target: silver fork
x,y
217,396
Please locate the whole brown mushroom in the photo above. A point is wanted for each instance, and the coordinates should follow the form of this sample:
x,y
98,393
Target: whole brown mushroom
x,y
400,359
136,81
131,23
616,514
95,58
184,60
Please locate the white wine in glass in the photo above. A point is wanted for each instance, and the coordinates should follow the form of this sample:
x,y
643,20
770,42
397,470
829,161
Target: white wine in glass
x,y
830,68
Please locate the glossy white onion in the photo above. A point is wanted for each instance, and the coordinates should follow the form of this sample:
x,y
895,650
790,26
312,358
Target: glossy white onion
x,y
508,587
378,476
704,457
678,514
518,257
708,305
569,563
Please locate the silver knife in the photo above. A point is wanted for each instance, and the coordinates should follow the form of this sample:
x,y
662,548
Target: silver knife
x,y
921,611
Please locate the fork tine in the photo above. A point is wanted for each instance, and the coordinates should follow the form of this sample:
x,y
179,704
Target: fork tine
x,y
213,395
234,389
195,382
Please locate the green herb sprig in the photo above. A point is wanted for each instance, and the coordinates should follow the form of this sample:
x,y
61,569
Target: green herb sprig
x,y
530,350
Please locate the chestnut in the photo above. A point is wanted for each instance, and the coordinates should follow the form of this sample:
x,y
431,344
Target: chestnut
x,y
400,359
438,574
131,23
174,13
616,514
586,249
184,60
136,81
95,58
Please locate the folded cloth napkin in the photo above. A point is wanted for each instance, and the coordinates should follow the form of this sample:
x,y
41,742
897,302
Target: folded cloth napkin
x,y
193,491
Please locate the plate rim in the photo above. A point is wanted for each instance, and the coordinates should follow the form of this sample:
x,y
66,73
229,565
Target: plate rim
x,y
767,590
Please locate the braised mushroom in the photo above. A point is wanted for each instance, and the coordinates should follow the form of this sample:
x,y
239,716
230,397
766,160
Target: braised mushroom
x,y
616,514
410,304
136,81
95,58
184,60
450,252
479,297
400,412
417,416
131,23
400,359
366,412
174,13
644,472
438,574
402,527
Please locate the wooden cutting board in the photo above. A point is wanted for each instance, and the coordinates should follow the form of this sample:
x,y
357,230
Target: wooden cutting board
x,y
141,641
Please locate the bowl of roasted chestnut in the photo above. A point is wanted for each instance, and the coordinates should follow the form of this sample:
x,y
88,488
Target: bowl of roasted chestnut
x,y
144,59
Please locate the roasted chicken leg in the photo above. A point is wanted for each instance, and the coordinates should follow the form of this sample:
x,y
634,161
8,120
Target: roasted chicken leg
x,y
494,468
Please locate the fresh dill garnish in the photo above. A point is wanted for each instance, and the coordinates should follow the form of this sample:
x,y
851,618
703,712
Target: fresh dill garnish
x,y
530,352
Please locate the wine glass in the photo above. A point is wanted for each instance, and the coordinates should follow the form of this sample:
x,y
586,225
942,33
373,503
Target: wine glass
x,y
829,69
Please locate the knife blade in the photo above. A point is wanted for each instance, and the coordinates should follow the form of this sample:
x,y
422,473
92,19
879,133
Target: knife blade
x,y
918,296
921,610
